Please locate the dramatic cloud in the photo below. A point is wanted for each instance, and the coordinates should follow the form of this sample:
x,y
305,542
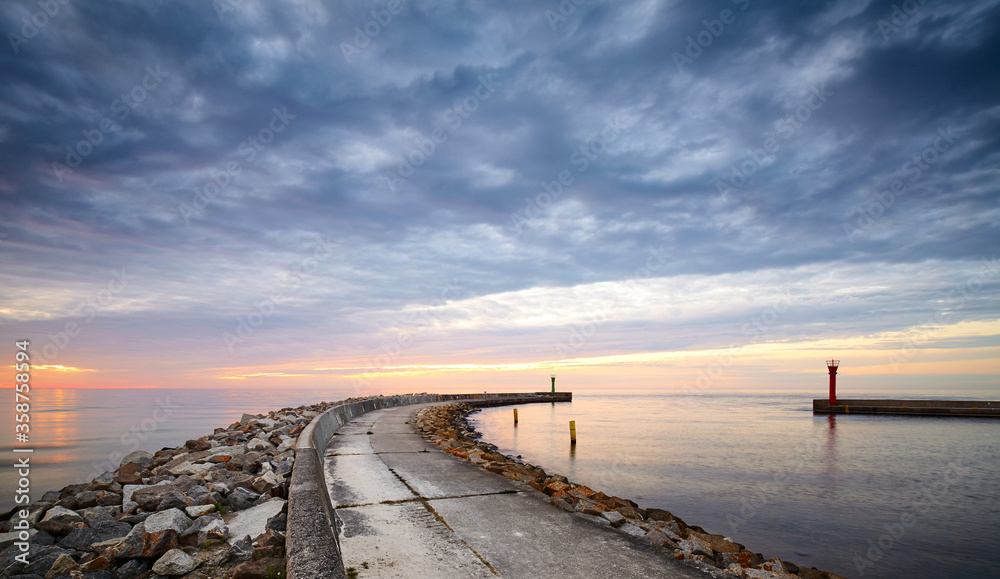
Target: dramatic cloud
x,y
324,193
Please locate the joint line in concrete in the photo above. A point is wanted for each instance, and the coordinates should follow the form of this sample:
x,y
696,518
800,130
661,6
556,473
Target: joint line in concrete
x,y
427,505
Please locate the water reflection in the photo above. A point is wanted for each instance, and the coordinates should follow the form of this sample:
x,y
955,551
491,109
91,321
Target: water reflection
x,y
830,470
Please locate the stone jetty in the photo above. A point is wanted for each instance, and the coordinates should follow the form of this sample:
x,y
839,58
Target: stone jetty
x,y
214,508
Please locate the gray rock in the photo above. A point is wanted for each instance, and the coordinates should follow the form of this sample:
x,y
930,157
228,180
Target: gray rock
x,y
127,491
133,569
188,468
241,499
105,482
170,519
196,491
42,538
614,517
135,457
136,518
235,450
253,521
199,510
140,543
55,527
62,515
37,511
39,562
174,500
108,499
248,418
265,482
95,515
205,529
634,530
132,545
61,567
242,549
80,539
284,467
85,500
218,487
175,562
8,539
278,522
208,499
150,497
258,444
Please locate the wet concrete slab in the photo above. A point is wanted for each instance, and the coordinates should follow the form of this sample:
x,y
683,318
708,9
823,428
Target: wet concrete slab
x,y
522,535
351,444
404,540
362,479
410,510
436,475
402,442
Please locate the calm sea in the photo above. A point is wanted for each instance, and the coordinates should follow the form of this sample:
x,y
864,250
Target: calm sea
x,y
895,497
863,496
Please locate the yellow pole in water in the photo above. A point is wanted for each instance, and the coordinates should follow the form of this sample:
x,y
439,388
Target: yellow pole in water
x,y
572,432
515,417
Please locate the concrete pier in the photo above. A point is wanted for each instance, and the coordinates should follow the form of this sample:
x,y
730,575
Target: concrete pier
x,y
949,408
403,508
368,492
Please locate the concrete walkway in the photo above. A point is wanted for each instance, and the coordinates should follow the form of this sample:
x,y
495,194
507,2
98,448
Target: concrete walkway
x,y
406,509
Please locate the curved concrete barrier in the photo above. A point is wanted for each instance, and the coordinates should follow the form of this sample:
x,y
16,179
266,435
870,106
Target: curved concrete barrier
x,y
311,541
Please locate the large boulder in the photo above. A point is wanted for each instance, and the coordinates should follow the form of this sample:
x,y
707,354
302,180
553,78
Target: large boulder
x,y
175,562
150,497
253,521
129,505
241,499
41,560
133,569
204,530
95,515
175,500
140,543
105,482
80,539
258,569
136,456
170,519
63,515
62,566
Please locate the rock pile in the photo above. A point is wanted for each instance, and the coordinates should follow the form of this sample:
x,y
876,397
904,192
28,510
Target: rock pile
x,y
214,508
446,426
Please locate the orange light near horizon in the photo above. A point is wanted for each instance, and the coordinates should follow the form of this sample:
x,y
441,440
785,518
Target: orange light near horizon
x,y
58,368
265,375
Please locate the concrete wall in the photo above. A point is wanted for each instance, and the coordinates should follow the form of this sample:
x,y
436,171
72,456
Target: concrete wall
x,y
957,408
311,540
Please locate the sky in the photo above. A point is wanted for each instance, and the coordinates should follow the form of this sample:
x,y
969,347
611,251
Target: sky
x,y
405,196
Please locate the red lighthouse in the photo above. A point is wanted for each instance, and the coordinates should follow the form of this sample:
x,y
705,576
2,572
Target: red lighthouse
x,y
832,365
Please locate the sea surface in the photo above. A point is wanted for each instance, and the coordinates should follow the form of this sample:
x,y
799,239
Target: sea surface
x,y
77,434
889,496
862,496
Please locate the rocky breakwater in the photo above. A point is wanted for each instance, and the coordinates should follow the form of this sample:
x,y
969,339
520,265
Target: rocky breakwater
x,y
214,508
446,426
